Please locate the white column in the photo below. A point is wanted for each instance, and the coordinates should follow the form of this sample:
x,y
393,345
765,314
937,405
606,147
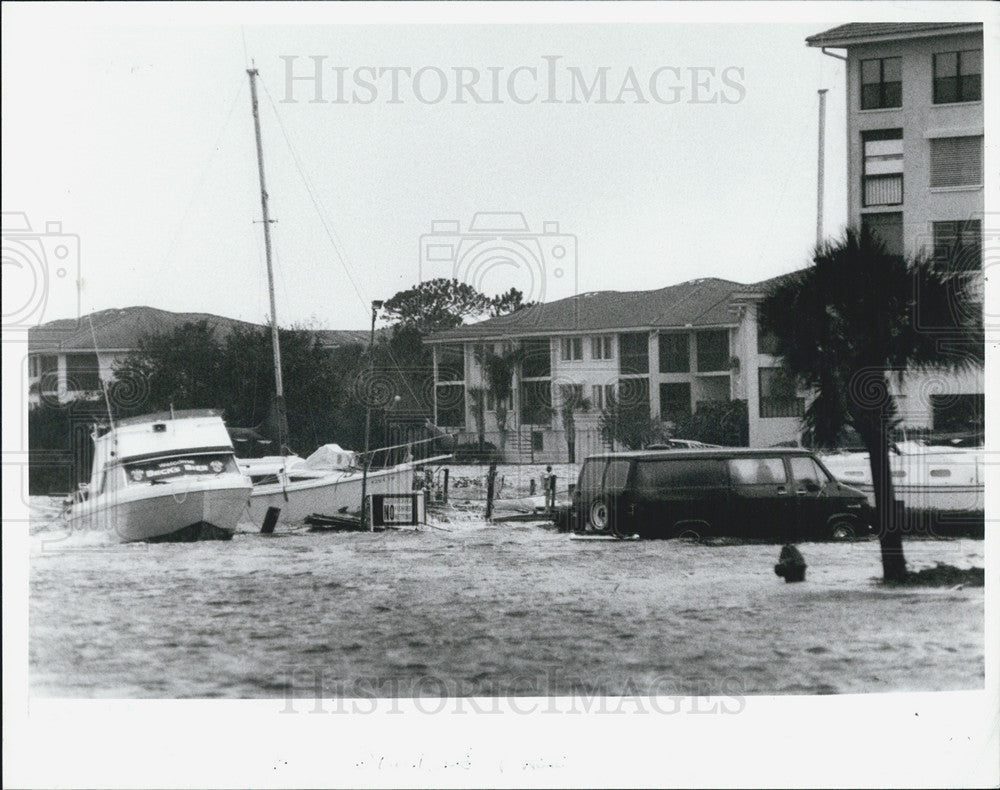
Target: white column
x,y
654,373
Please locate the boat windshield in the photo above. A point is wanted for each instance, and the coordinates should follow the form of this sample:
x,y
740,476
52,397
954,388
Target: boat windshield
x,y
157,470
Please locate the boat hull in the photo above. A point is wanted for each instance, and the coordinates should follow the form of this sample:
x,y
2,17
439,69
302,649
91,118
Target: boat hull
x,y
332,495
193,510
927,480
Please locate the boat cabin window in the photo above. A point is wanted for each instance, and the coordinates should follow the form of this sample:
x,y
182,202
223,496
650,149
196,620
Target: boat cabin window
x,y
157,470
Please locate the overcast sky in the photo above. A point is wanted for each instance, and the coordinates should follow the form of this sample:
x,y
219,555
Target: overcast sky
x,y
699,160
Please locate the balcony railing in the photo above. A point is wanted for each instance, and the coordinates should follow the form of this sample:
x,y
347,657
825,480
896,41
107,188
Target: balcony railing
x,y
782,407
883,190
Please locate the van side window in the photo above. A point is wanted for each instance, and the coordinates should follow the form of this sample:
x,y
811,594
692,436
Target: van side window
x,y
804,468
667,473
617,476
757,471
591,474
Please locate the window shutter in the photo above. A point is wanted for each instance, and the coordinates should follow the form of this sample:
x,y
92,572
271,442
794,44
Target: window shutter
x,y
956,161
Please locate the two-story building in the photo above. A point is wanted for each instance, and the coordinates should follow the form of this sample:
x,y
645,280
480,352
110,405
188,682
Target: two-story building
x,y
68,359
667,350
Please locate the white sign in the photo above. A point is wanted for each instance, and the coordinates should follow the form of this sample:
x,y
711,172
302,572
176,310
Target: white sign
x,y
397,511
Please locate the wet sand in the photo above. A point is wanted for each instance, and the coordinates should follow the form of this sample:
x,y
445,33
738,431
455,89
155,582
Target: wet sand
x,y
488,610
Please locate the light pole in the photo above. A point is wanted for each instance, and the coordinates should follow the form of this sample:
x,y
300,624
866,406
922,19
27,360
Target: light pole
x,y
366,516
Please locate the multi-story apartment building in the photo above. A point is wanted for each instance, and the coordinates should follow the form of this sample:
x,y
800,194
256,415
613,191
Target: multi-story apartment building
x,y
914,130
915,162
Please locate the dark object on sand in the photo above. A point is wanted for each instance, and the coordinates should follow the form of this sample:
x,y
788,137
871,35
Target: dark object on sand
x,y
791,564
270,519
345,523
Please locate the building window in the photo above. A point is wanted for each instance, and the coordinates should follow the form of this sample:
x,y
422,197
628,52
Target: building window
x,y
41,364
602,347
881,83
712,349
633,393
958,76
82,373
956,161
451,405
888,227
602,396
572,349
537,359
882,179
536,402
778,397
958,412
767,343
634,353
451,363
959,244
675,400
675,352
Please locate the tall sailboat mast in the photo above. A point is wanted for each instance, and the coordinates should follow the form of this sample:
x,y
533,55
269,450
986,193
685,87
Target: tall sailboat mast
x,y
278,384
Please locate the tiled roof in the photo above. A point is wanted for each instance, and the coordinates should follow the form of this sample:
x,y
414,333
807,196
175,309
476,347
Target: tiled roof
x,y
703,302
756,290
860,32
120,329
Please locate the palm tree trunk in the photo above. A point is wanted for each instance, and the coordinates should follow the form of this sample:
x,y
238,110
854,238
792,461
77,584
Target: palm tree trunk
x,y
888,518
501,417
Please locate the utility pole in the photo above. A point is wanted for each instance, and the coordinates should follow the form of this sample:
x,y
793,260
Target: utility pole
x,y
279,389
366,515
820,167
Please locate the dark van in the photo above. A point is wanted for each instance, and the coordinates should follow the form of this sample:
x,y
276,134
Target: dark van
x,y
776,494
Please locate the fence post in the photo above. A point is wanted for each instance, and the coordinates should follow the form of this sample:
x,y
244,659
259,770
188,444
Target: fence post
x,y
444,492
490,481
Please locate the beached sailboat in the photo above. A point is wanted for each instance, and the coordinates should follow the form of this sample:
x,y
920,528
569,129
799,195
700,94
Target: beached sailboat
x,y
327,483
331,481
163,477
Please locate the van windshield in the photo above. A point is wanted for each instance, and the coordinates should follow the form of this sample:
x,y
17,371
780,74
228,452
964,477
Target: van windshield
x,y
679,473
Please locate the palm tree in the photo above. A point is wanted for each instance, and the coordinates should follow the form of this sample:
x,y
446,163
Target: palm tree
x,y
858,315
571,400
478,397
498,373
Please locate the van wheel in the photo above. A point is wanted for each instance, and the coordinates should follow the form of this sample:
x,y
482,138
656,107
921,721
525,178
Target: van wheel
x,y
689,534
599,518
842,530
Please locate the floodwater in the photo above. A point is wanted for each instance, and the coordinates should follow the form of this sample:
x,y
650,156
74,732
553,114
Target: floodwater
x,y
465,608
